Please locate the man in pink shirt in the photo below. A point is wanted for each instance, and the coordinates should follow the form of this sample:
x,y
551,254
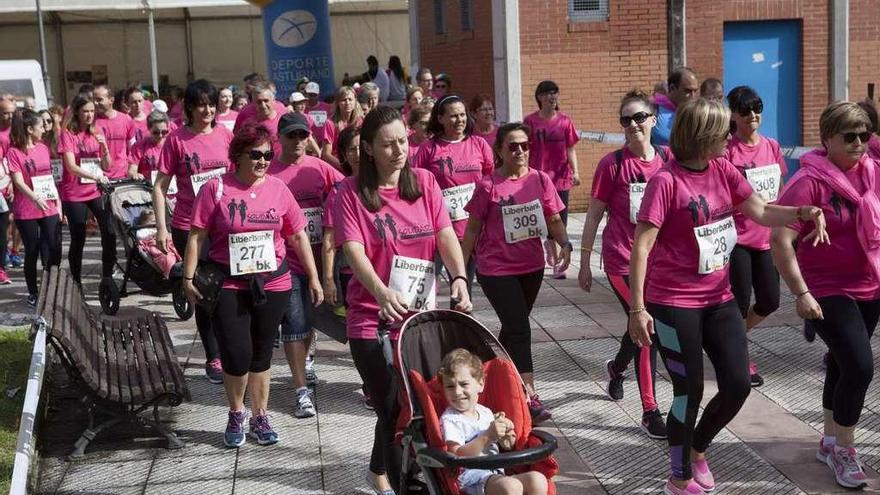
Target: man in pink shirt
x,y
7,110
266,113
118,129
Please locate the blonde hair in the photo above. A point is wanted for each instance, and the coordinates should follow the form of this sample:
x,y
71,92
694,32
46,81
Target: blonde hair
x,y
457,358
698,126
840,116
356,113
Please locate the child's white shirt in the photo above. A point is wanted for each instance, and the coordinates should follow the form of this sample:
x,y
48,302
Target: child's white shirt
x,y
461,429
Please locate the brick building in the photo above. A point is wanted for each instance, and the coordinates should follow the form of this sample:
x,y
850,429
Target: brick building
x,y
596,50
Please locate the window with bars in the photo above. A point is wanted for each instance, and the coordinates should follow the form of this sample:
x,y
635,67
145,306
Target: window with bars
x,y
587,10
439,17
467,15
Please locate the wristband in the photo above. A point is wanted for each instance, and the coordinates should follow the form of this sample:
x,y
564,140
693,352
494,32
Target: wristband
x,y
586,250
459,277
802,294
188,278
636,311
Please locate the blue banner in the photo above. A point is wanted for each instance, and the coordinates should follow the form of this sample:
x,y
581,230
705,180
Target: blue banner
x,y
298,44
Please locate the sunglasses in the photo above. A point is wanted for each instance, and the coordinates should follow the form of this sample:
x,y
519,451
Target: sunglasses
x,y
440,85
256,155
849,137
301,135
747,108
514,147
159,133
638,117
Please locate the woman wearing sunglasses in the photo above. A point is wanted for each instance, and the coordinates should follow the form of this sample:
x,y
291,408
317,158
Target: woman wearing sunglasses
x,y
760,160
686,224
145,153
245,217
192,155
618,187
457,159
837,286
512,209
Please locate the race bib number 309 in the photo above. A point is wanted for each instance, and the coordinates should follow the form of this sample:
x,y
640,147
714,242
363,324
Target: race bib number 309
x,y
525,221
252,252
715,242
413,278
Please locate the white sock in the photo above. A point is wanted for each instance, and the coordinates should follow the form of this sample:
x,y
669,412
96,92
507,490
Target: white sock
x,y
829,441
301,389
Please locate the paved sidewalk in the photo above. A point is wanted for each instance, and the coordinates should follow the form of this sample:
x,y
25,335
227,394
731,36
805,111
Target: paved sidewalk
x,y
769,447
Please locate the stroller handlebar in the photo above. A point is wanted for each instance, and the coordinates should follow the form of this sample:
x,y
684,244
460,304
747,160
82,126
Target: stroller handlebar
x,y
436,458
115,182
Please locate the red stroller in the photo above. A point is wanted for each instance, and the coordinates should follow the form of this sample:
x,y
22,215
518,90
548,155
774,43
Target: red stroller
x,y
424,339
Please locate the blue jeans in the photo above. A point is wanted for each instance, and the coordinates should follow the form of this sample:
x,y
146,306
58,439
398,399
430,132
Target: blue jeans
x,y
300,315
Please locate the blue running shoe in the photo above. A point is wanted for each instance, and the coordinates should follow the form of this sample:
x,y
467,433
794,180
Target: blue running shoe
x,y
262,431
234,436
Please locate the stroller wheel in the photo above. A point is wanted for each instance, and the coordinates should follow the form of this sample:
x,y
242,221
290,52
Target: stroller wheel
x,y
182,306
108,295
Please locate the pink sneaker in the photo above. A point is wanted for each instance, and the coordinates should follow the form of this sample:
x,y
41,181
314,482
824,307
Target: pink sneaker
x,y
4,278
691,489
559,274
702,475
824,451
847,468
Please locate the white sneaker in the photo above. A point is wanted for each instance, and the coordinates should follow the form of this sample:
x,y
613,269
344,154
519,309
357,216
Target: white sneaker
x,y
844,462
305,408
311,375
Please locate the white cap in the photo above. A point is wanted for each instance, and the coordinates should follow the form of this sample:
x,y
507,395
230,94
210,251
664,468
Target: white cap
x,y
313,88
160,105
296,97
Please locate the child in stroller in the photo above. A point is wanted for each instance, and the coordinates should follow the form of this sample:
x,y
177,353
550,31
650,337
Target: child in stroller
x,y
471,429
146,236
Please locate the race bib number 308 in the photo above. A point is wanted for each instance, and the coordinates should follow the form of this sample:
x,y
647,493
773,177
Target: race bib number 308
x,y
765,181
252,252
715,242
525,221
413,279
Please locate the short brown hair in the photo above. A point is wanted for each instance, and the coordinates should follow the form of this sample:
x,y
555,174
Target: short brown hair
x,y
457,358
698,125
840,116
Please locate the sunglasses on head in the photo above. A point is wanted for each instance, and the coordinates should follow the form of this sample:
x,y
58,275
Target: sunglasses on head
x,y
748,107
638,117
255,155
514,147
849,137
301,135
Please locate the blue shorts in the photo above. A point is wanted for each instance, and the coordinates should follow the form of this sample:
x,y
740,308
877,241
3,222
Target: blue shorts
x,y
300,315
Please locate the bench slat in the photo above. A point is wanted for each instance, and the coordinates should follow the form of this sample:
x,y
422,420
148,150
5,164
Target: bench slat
x,y
152,359
171,368
143,366
112,370
134,379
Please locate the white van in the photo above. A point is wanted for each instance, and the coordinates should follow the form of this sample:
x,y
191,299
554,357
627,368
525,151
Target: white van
x,y
23,78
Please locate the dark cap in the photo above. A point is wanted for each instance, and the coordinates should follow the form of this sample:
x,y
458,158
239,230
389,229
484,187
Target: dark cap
x,y
546,87
290,122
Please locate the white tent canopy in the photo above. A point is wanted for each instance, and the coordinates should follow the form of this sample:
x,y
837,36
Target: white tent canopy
x,y
69,5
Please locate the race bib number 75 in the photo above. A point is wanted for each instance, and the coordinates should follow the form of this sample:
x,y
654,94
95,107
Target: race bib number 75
x,y
413,278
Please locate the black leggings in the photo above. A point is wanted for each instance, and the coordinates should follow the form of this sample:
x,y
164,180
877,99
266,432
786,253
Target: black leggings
x,y
382,382
847,330
754,268
42,238
203,318
4,227
246,333
512,297
77,214
646,377
682,335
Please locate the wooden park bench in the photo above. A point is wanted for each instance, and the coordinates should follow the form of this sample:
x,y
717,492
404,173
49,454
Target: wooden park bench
x,y
124,366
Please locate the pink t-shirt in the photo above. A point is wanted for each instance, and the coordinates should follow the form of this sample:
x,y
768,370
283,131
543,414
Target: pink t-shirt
x,y
495,256
488,137
146,154
455,164
249,112
139,132
31,164
677,201
840,268
118,131
550,140
227,119
766,181
874,147
321,112
242,208
4,141
311,181
619,188
188,156
399,228
82,145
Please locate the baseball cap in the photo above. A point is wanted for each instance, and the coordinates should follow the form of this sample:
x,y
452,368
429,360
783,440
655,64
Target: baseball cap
x,y
290,122
296,97
313,88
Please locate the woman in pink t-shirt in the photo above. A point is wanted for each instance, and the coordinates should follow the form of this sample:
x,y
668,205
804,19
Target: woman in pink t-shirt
x,y
553,139
35,205
346,112
512,208
686,224
618,187
414,96
482,110
390,220
86,159
837,286
418,128
245,217
458,161
760,160
146,152
225,114
193,154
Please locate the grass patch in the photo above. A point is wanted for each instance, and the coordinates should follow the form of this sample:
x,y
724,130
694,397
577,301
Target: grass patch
x,y
15,354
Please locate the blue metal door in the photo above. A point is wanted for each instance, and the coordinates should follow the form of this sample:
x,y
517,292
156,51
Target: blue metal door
x,y
766,55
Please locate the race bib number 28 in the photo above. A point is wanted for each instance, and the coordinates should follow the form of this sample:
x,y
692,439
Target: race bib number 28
x,y
716,242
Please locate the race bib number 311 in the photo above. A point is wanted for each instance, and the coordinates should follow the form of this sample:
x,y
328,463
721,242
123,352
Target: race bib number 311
x,y
715,242
456,198
252,252
523,222
765,181
413,278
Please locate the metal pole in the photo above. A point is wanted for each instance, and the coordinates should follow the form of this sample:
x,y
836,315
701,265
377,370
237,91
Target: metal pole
x,y
43,61
840,50
154,65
